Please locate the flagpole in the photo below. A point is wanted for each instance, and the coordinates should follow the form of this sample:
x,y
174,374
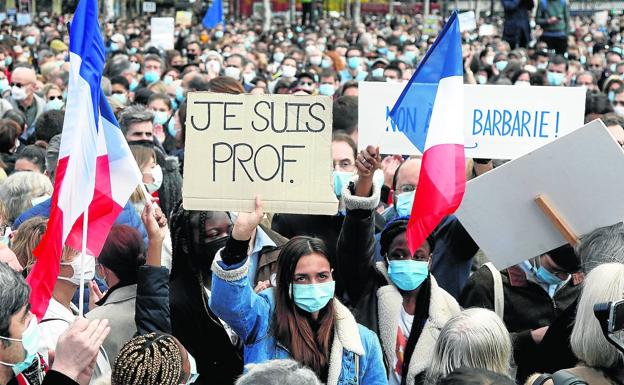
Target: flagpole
x,y
85,222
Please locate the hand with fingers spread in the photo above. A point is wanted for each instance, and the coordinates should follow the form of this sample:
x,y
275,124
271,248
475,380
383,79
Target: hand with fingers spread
x,y
78,347
246,223
389,166
367,162
95,294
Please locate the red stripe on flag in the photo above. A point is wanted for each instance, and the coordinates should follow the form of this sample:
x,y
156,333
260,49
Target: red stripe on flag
x,y
439,193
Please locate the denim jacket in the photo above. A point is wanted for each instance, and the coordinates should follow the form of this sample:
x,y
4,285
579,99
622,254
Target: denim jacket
x,y
355,356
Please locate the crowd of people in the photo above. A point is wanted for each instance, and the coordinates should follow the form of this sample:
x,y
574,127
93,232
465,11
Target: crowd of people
x,y
207,297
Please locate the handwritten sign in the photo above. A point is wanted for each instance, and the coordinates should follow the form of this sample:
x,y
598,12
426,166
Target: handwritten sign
x,y
162,30
184,18
275,146
467,21
579,174
500,122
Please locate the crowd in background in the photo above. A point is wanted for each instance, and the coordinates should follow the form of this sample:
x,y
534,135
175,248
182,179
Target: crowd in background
x,y
217,297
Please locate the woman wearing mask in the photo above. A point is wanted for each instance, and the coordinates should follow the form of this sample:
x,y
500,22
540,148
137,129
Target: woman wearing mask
x,y
53,97
299,318
398,296
152,175
160,104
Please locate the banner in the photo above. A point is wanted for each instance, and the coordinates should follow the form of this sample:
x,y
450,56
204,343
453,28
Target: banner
x,y
275,146
162,30
500,122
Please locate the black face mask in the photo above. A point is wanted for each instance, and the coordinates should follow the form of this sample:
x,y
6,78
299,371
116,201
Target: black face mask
x,y
207,253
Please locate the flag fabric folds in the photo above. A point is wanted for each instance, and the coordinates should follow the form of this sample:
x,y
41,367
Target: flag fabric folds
x,y
214,14
96,170
435,94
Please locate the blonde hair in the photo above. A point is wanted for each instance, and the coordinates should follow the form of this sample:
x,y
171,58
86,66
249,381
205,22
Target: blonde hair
x,y
26,238
475,338
158,87
143,156
603,284
19,189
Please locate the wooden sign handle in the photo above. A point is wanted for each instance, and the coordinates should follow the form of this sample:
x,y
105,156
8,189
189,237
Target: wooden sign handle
x,y
561,225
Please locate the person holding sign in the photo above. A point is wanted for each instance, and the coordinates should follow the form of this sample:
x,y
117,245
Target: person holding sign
x,y
300,318
397,297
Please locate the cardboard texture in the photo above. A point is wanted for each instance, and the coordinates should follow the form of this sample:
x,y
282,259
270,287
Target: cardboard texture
x,y
579,174
275,146
500,122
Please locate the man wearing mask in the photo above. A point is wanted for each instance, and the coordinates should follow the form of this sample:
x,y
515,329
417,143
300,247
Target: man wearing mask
x,y
556,73
19,337
152,67
24,99
535,293
329,83
193,50
354,66
234,66
119,90
398,297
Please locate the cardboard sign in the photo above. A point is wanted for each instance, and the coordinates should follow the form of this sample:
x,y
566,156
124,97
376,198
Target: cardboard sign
x,y
23,18
275,146
162,29
467,21
431,25
149,6
500,122
184,18
579,174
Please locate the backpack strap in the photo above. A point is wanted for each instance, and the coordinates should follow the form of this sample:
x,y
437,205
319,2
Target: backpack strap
x,y
499,297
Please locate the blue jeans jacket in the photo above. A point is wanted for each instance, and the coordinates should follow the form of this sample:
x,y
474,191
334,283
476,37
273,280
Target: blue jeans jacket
x,y
250,314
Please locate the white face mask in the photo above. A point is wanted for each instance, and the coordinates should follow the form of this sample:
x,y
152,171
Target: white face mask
x,y
18,93
213,66
522,83
89,269
289,71
619,110
232,72
157,174
248,77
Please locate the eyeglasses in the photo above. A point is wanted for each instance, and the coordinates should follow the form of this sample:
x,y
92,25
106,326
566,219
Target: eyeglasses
x,y
309,84
20,85
59,97
344,165
618,103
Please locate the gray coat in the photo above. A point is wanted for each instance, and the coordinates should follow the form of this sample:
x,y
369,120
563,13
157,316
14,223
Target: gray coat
x,y
118,309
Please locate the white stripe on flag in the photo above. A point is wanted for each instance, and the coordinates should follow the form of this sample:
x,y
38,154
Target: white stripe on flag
x,y
447,118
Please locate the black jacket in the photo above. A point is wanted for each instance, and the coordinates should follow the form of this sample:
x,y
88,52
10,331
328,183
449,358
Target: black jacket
x,y
152,312
527,306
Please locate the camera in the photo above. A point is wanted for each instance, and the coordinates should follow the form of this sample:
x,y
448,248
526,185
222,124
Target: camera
x,y
611,318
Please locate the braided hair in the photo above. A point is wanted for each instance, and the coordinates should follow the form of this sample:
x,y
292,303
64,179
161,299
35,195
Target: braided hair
x,y
183,247
150,359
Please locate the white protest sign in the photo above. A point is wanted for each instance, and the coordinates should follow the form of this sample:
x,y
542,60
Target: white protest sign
x,y
580,174
149,6
23,18
275,146
601,18
467,21
162,29
487,30
500,122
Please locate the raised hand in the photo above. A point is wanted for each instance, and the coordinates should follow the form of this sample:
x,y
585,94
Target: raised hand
x,y
246,223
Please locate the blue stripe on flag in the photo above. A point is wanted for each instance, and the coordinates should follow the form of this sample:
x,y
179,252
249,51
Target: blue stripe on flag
x,y
85,40
411,113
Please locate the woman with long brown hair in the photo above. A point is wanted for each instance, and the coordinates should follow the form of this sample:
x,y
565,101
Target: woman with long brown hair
x,y
299,318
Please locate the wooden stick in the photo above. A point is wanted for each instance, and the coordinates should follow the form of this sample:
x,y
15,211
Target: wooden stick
x,y
561,225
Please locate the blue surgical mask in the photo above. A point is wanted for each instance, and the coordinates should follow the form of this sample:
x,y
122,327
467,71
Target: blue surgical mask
x,y
4,85
610,95
278,57
410,55
133,85
160,117
353,62
30,342
325,63
132,50
218,35
555,78
171,128
545,276
168,79
174,103
193,369
151,77
341,180
327,90
136,66
314,296
121,98
378,73
501,65
114,47
55,104
30,40
180,94
8,60
407,274
404,202
391,55
382,50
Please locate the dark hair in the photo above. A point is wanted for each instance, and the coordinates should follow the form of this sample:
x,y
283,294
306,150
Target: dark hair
x,y
326,73
517,74
120,80
345,114
612,119
47,125
225,85
142,95
396,227
394,67
34,154
13,296
292,327
339,136
16,116
558,60
123,253
198,83
8,135
164,97
475,376
597,104
349,84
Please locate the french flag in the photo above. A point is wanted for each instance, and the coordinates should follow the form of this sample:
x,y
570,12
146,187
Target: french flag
x,y
96,170
435,92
